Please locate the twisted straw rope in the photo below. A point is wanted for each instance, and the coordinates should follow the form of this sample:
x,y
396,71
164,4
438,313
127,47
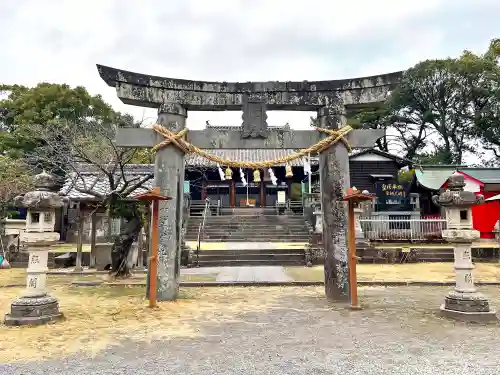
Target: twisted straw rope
x,y
176,139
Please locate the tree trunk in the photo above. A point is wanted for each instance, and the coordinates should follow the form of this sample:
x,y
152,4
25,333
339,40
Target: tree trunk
x,y
122,245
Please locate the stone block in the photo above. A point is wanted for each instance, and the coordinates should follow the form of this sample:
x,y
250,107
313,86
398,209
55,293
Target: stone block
x,y
471,316
33,311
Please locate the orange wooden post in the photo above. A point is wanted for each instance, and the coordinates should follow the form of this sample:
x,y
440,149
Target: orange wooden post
x,y
352,258
154,197
353,197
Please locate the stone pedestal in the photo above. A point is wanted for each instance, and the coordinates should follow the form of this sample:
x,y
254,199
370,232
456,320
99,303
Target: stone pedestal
x,y
463,303
35,306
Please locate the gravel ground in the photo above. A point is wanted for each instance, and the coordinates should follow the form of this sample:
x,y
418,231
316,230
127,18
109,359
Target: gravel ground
x,y
398,332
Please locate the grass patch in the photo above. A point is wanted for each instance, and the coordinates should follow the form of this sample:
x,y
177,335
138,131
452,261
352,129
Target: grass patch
x,y
438,272
17,276
97,317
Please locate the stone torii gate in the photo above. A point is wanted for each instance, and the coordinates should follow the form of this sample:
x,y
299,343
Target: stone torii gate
x,y
175,97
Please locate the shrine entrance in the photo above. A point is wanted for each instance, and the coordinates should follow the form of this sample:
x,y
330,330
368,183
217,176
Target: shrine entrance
x,y
170,140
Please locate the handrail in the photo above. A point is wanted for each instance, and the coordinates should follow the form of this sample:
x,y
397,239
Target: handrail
x,y
201,228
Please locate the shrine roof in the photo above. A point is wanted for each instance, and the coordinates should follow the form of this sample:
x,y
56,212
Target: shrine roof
x,y
251,155
435,176
484,175
90,178
399,160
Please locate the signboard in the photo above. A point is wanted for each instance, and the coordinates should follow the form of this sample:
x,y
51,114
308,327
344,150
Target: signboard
x,y
251,202
281,197
187,187
249,184
392,196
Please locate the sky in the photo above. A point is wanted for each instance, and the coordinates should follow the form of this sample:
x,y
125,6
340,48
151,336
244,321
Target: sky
x,y
61,41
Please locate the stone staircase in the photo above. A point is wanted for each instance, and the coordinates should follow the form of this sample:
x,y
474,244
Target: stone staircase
x,y
250,257
251,228
248,237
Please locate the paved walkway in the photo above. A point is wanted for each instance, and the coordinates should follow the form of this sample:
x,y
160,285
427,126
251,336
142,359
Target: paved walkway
x,y
254,274
247,273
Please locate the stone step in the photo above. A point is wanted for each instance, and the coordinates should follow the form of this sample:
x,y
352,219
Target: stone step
x,y
235,224
271,226
250,231
246,235
240,263
243,252
257,223
254,218
252,257
249,239
249,219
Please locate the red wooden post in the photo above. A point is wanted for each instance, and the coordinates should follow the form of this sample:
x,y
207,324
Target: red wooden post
x,y
153,197
353,197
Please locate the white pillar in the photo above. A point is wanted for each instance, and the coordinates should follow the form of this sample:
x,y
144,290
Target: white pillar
x,y
36,279
357,223
463,268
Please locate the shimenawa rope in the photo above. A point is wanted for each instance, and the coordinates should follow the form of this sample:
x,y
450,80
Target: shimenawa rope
x,y
176,139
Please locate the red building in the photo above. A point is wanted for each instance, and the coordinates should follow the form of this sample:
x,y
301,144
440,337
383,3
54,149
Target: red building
x,y
484,181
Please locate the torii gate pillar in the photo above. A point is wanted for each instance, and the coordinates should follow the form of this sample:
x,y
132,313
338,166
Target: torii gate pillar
x,y
334,182
169,176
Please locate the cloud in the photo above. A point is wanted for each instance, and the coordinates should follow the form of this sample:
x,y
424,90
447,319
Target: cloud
x,y
232,40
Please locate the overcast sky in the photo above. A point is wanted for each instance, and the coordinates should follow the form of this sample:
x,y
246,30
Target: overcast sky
x,y
233,40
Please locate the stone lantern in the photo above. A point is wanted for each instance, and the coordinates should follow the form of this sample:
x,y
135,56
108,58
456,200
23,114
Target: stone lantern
x,y
35,306
464,302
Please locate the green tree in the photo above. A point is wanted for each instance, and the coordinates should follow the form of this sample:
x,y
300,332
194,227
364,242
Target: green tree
x,y
44,104
404,135
487,110
66,130
15,179
444,98
89,145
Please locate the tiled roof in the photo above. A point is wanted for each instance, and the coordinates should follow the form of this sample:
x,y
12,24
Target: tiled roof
x,y
397,159
91,179
236,127
433,177
251,155
485,175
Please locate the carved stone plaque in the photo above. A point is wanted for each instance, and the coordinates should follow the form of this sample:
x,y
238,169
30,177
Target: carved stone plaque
x,y
254,119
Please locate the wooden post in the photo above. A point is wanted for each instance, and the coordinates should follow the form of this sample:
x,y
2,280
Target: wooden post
x,y
155,197
352,258
353,197
93,241
140,248
262,195
79,239
232,194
